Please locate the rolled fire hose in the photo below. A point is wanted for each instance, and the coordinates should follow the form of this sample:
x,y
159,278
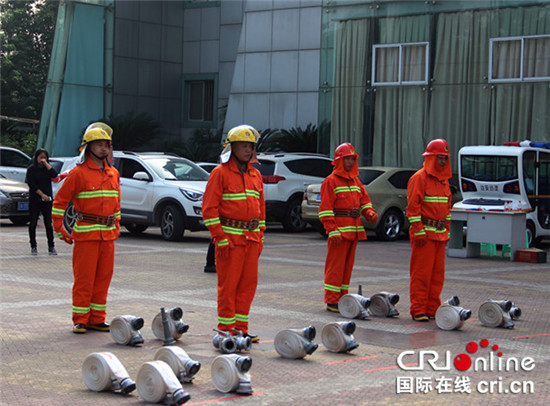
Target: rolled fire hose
x,y
182,365
352,306
102,371
381,304
156,382
230,373
492,314
337,337
125,330
292,344
175,325
447,317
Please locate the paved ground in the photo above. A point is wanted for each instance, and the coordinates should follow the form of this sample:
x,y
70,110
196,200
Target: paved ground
x,y
41,358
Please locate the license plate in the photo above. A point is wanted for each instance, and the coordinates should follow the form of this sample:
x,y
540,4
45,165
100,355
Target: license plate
x,y
318,198
22,206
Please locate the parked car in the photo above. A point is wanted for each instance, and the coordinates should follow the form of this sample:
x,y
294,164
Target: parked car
x,y
285,175
387,189
14,200
14,163
160,189
207,166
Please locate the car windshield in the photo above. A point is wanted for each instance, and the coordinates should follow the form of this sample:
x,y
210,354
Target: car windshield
x,y
368,175
489,168
172,168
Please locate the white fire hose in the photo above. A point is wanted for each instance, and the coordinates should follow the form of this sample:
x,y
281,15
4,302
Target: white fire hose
x,y
353,306
156,382
102,371
383,304
337,337
230,373
449,316
183,366
125,330
295,343
496,313
175,326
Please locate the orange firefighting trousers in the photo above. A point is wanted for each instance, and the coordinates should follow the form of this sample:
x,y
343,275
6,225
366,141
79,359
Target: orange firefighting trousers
x,y
237,281
338,268
93,263
427,270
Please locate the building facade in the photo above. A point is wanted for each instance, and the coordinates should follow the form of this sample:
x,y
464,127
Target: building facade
x,y
388,76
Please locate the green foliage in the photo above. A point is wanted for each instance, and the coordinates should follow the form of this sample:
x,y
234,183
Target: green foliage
x,y
20,138
133,132
26,38
203,146
291,140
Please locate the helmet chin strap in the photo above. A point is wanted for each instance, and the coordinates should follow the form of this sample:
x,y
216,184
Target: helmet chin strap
x,y
98,157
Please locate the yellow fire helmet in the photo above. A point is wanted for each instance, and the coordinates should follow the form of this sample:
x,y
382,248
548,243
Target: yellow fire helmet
x,y
242,133
94,134
103,126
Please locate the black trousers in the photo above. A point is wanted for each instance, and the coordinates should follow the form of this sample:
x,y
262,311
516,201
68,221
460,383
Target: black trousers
x,y
37,206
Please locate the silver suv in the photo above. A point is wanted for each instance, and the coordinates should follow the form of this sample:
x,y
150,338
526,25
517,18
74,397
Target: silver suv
x,y
160,189
285,176
156,189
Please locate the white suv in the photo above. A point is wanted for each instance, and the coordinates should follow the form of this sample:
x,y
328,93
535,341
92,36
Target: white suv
x,y
156,189
160,189
285,176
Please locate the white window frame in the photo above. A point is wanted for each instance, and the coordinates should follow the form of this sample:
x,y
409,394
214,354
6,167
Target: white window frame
x,y
400,80
521,77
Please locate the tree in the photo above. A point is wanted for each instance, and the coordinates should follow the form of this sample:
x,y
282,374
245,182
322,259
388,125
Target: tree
x,y
26,37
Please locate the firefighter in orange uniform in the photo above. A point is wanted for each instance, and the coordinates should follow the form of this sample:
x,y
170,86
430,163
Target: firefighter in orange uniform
x,y
429,212
233,209
93,187
343,201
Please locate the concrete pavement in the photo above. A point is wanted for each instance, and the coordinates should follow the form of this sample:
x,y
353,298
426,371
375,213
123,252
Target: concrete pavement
x,y
41,358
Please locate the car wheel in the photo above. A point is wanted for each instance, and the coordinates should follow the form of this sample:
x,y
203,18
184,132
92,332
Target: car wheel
x,y
531,237
172,223
135,228
390,226
69,218
19,221
293,220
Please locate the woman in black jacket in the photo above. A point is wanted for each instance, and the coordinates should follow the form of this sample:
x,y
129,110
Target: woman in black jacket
x,y
39,178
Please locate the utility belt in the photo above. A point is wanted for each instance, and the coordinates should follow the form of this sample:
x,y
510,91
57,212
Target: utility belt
x,y
438,224
94,219
246,225
353,213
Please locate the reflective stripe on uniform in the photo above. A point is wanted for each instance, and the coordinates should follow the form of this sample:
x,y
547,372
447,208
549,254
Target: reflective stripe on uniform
x,y
78,228
241,317
366,206
342,189
81,310
326,213
58,212
415,219
95,306
97,193
436,199
332,288
212,221
226,320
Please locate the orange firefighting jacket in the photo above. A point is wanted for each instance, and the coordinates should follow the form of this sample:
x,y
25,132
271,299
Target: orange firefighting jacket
x,y
237,196
338,192
428,198
94,192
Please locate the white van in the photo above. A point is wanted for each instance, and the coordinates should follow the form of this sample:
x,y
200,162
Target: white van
x,y
515,176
